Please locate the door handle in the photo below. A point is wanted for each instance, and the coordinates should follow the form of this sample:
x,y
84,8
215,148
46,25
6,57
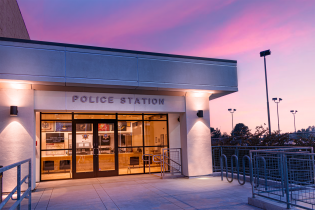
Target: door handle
x,y
98,151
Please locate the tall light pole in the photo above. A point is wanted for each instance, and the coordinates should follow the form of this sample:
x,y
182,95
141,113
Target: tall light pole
x,y
232,111
277,102
264,54
294,112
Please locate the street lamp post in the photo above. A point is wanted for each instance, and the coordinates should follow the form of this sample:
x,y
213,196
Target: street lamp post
x,y
264,54
232,111
294,112
277,102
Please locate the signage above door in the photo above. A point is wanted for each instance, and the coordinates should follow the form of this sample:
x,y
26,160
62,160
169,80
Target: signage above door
x,y
123,100
103,102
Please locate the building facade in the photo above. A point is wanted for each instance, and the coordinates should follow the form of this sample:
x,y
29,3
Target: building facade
x,y
89,111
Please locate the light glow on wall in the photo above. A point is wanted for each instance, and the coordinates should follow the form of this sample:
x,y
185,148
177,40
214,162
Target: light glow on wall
x,y
199,94
9,84
17,86
15,97
200,100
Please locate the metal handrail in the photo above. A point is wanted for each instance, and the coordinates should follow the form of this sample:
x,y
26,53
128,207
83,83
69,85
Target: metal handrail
x,y
160,161
17,189
171,165
178,151
147,155
164,159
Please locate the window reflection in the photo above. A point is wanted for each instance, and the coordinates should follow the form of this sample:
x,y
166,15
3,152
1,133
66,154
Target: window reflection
x,y
129,117
56,140
155,117
130,160
55,134
155,133
84,147
129,133
155,165
56,164
106,146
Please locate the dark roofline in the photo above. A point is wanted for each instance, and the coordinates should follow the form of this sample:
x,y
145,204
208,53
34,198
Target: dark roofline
x,y
114,50
23,19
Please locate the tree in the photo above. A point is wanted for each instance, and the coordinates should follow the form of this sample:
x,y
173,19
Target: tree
x,y
225,135
215,133
240,130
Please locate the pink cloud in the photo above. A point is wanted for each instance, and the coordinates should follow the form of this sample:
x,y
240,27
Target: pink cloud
x,y
253,29
145,18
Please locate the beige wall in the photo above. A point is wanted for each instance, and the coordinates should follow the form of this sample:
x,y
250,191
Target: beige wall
x,y
17,134
174,130
11,21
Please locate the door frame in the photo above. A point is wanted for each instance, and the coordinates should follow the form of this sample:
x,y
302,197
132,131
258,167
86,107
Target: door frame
x,y
96,172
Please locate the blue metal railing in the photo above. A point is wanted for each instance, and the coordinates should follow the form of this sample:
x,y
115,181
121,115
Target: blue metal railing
x,y
27,179
240,152
284,174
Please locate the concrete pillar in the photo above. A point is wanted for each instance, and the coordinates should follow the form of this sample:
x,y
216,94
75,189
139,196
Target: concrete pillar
x,y
196,136
17,133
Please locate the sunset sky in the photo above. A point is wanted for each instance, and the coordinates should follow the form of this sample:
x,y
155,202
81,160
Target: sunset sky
x,y
227,29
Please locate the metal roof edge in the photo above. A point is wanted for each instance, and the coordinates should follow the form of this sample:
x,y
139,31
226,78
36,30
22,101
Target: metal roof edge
x,y
114,50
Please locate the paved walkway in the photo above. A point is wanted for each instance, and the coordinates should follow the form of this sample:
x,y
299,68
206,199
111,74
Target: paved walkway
x,y
141,192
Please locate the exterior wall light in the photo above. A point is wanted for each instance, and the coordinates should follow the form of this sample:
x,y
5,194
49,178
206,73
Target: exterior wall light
x,y
200,113
13,110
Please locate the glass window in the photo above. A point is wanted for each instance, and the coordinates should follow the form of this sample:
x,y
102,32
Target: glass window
x,y
84,147
56,135
56,117
129,117
155,133
155,117
154,166
129,133
56,164
130,160
106,147
94,116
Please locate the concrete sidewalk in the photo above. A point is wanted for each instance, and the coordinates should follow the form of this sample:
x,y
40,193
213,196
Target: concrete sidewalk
x,y
140,192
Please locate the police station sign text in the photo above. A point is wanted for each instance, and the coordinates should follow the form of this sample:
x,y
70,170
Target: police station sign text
x,y
123,100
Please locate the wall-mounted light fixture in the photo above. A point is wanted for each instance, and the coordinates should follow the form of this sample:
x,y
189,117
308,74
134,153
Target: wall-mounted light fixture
x,y
13,110
200,113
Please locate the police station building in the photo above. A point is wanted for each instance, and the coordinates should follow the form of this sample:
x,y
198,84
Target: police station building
x,y
81,112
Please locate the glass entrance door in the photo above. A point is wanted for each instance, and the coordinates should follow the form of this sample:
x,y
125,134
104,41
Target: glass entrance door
x,y
94,148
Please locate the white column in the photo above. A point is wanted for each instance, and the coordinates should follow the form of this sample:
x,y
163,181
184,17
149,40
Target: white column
x,y
17,134
196,136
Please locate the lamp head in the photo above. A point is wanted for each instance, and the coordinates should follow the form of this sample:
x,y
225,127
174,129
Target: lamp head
x,y
13,110
274,99
234,110
292,111
200,113
265,53
229,110
280,99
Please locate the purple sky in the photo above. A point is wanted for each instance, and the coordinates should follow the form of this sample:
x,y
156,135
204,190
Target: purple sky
x,y
228,29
